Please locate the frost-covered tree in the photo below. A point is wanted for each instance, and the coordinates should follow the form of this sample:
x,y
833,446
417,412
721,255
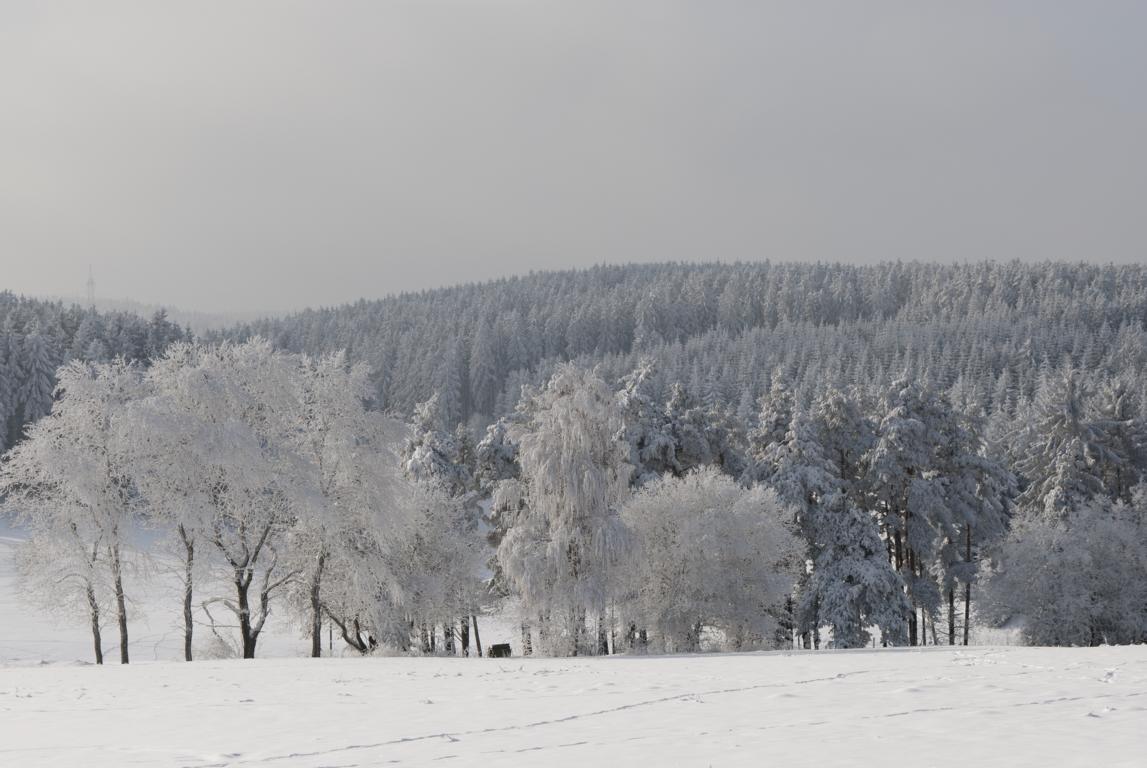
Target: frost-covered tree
x,y
72,477
855,586
39,373
252,500
708,555
433,453
645,429
345,470
846,435
436,561
772,423
907,492
1122,433
1079,579
1061,451
805,481
977,491
185,436
567,538
61,567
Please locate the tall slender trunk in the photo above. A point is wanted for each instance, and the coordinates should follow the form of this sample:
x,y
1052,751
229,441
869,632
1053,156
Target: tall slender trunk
x,y
464,634
188,582
602,636
527,641
94,611
952,615
477,637
914,627
317,608
816,623
967,585
120,602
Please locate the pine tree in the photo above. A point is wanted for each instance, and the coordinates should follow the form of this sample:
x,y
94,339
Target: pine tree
x,y
39,371
908,494
854,584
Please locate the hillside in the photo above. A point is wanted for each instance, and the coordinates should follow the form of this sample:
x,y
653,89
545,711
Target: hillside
x,y
983,331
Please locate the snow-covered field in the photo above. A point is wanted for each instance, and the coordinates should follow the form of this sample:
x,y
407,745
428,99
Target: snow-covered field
x,y
980,706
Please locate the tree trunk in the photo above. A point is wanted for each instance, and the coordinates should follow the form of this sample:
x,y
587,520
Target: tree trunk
x,y
448,637
317,608
94,610
527,641
477,637
120,602
602,636
968,586
816,623
464,634
951,615
242,587
188,584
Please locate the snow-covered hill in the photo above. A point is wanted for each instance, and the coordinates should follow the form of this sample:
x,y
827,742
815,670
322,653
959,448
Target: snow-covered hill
x,y
933,707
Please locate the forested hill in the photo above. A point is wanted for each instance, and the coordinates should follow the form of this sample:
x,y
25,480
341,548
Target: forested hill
x,y
36,337
985,332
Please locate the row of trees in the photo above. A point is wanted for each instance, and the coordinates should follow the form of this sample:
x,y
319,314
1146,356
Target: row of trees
x,y
270,478
682,521
673,519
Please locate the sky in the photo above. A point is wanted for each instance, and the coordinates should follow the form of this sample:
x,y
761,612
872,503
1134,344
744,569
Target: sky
x,y
266,155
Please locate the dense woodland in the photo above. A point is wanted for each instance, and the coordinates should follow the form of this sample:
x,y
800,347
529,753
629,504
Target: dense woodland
x,y
984,332
665,458
37,337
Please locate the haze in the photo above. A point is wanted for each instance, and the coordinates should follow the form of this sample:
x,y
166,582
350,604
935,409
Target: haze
x,y
232,156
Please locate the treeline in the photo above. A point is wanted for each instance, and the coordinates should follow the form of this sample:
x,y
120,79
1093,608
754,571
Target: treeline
x,y
37,337
617,520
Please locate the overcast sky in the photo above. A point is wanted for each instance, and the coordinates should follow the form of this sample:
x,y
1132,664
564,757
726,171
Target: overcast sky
x,y
236,155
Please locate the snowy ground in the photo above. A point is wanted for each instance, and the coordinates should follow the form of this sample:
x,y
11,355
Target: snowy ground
x,y
981,706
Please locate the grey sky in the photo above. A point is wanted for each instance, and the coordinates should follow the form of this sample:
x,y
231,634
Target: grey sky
x,y
233,154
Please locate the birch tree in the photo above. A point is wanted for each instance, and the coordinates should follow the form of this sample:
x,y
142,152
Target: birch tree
x,y
560,551
72,476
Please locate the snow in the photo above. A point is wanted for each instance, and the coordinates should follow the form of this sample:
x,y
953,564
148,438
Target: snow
x,y
981,707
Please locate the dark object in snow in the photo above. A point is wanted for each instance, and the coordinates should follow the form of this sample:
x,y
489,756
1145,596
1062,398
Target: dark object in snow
x,y
500,651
